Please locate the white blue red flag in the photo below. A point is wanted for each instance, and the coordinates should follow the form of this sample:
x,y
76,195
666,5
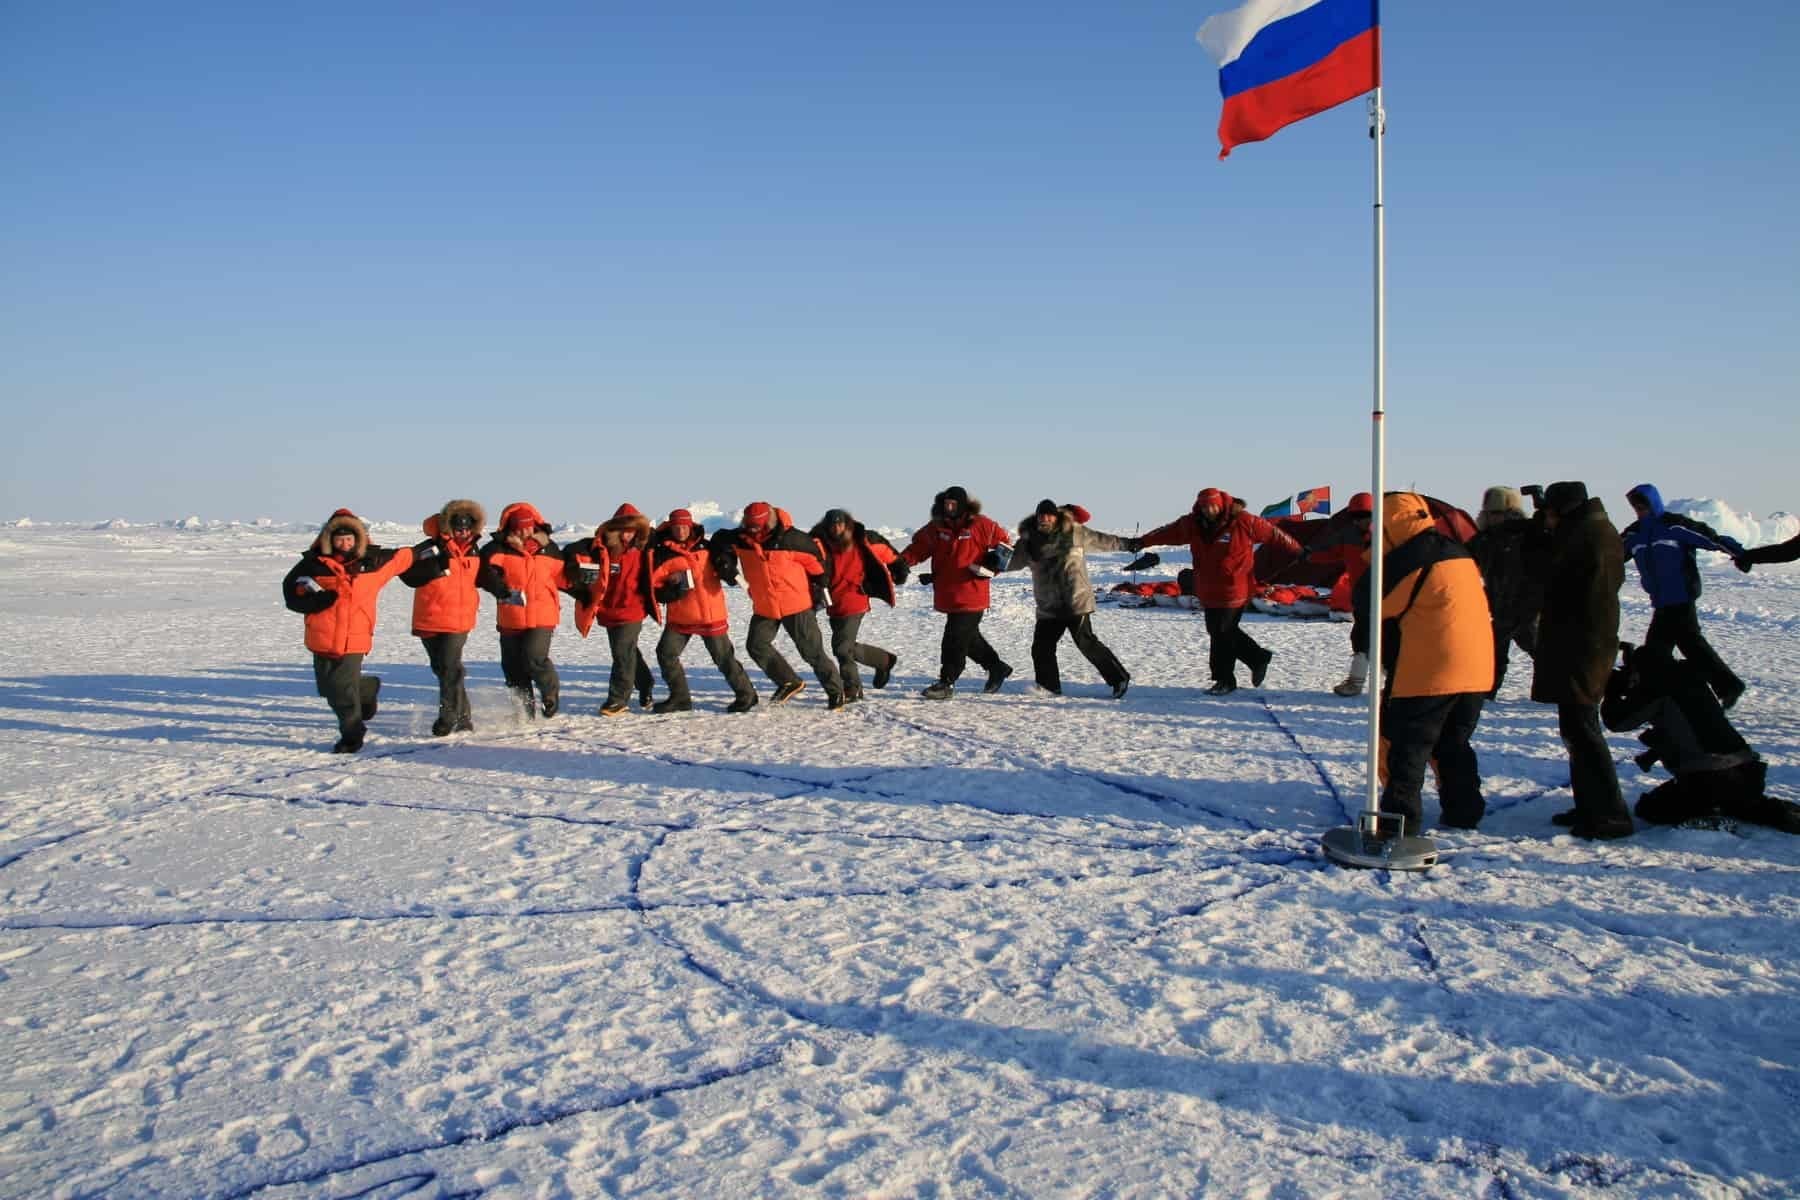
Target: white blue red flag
x,y
1284,60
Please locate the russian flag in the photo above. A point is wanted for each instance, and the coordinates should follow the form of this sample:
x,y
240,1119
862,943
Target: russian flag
x,y
1284,60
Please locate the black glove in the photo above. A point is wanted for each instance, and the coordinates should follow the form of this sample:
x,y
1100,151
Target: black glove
x,y
820,597
925,579
997,559
897,570
1742,563
674,586
426,551
1144,562
727,571
1132,545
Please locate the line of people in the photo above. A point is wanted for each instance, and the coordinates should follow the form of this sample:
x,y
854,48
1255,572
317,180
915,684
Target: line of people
x,y
1547,583
674,574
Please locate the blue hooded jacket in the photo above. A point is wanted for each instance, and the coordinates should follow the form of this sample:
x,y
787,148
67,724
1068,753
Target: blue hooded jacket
x,y
1663,548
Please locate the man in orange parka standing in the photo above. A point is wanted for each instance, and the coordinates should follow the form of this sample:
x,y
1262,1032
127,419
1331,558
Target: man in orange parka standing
x,y
779,563
523,569
446,604
1223,539
687,583
964,548
335,585
1438,664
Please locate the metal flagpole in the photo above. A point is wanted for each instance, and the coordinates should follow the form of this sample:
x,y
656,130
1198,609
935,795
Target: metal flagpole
x,y
1368,844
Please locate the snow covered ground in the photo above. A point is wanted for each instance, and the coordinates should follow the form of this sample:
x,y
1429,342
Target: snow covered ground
x,y
1009,945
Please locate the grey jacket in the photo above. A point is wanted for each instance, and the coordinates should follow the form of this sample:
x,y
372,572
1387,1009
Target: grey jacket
x,y
1058,562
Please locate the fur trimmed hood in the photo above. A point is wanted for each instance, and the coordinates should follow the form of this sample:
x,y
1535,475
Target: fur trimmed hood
x,y
438,523
971,507
1067,517
822,531
343,519
624,518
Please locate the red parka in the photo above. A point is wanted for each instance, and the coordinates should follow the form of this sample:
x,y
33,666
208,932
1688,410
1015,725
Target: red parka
x,y
445,598
856,573
955,548
1224,551
340,601
621,592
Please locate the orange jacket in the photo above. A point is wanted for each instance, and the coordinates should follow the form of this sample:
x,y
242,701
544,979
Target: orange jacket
x,y
344,623
1224,552
529,564
778,569
1437,637
700,610
445,599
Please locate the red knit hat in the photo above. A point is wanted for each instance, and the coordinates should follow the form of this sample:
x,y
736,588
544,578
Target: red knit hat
x,y
1362,502
759,515
681,516
626,510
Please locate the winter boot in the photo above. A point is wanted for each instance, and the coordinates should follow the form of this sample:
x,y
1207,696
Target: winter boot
x,y
1118,689
882,672
1222,687
788,691
351,740
996,677
1357,679
742,703
614,708
672,704
1260,671
443,726
940,690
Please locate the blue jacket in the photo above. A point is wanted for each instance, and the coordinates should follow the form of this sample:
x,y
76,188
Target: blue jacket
x,y
1663,547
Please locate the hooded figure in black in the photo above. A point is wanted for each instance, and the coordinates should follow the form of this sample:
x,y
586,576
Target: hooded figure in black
x,y
1716,773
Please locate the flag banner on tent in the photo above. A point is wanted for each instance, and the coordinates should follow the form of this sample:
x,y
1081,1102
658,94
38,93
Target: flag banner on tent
x,y
1281,61
1312,500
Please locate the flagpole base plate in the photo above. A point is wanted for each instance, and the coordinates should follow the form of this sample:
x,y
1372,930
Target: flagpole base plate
x,y
1375,843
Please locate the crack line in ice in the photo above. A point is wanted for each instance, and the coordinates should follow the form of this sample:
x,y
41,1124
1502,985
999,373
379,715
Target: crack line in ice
x,y
42,844
1318,768
631,1095
452,810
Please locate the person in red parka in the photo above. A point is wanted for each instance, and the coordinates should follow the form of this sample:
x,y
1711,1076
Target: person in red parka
x,y
1223,539
779,564
335,585
620,596
685,575
859,564
524,571
965,550
446,604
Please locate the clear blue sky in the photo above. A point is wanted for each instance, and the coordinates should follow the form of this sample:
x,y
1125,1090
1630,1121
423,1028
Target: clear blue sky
x,y
272,259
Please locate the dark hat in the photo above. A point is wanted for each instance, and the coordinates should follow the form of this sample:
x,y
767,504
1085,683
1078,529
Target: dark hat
x,y
838,516
1565,496
958,494
1046,508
